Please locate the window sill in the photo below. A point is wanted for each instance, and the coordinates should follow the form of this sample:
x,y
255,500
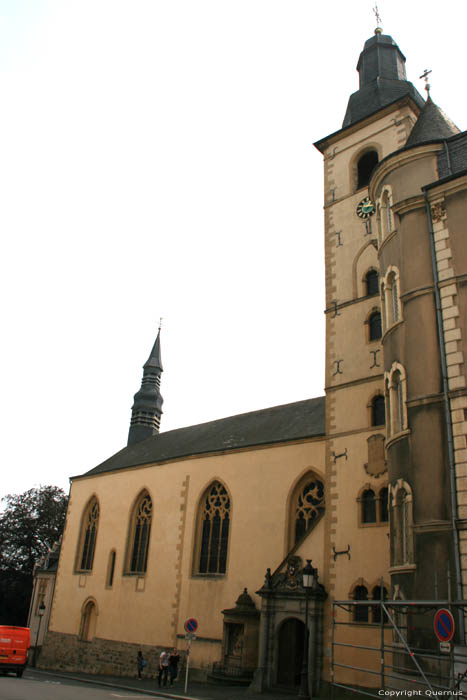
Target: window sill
x,y
83,572
214,577
376,524
140,574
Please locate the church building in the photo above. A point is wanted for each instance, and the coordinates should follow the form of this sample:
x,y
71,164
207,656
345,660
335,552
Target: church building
x,y
368,483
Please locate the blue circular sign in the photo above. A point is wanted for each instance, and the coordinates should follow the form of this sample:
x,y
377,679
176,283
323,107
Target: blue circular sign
x,y
191,625
444,625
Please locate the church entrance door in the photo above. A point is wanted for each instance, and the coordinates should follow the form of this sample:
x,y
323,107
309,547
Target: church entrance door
x,y
290,652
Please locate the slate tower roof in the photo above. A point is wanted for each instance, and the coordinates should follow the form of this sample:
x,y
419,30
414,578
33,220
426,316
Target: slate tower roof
x,y
383,79
147,407
431,125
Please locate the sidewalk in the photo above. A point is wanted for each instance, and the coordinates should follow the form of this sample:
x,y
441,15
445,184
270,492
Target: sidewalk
x,y
148,686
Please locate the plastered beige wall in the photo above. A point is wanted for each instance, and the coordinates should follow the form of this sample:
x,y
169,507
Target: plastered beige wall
x,y
259,483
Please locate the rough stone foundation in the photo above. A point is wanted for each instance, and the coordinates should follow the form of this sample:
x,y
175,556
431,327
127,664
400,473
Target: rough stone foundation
x,y
65,652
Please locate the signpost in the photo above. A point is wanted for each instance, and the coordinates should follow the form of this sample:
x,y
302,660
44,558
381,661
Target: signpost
x,y
190,625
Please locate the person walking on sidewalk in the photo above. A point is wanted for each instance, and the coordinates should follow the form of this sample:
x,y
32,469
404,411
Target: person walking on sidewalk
x,y
141,663
174,659
163,668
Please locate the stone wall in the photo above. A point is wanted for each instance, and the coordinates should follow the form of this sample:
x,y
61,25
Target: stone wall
x,y
65,652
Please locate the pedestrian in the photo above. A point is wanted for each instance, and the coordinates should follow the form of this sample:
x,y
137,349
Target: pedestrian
x,y
163,668
141,663
174,659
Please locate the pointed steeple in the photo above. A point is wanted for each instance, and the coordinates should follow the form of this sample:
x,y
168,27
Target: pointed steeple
x,y
431,125
147,407
383,79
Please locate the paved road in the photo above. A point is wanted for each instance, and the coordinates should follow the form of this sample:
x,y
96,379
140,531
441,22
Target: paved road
x,y
35,687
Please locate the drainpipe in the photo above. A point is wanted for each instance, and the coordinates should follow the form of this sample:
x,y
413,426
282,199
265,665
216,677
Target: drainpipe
x,y
447,416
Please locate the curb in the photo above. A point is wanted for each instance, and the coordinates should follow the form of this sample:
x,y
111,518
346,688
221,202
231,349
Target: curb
x,y
120,686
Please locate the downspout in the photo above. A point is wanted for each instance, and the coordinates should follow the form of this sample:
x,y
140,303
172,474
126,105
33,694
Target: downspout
x,y
447,416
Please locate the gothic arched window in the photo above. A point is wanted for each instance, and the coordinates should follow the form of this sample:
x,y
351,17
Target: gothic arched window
x,y
371,283
383,504
375,330
361,611
213,530
379,593
88,535
401,524
365,167
306,506
140,531
368,500
378,410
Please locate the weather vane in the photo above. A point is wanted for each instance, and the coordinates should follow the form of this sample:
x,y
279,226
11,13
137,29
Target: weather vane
x,y
425,75
160,322
378,16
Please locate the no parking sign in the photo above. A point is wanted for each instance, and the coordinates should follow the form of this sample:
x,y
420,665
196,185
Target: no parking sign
x,y
444,625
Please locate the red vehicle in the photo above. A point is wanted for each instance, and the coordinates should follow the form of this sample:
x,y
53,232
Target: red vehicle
x,y
14,648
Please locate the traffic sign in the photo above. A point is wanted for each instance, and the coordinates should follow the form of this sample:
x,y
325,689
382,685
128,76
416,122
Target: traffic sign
x,y
190,636
444,625
191,625
445,647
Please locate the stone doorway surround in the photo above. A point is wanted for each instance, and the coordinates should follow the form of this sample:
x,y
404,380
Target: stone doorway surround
x,y
283,599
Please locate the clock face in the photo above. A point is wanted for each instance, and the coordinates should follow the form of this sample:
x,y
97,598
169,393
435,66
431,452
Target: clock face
x,y
365,208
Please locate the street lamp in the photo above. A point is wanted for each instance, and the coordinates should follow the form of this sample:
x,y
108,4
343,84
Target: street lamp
x,y
40,612
307,580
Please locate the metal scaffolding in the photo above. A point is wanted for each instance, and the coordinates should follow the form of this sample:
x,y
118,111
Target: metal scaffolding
x,y
392,663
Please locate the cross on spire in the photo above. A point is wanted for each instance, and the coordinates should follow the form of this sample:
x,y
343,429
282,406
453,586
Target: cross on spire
x,y
424,76
378,17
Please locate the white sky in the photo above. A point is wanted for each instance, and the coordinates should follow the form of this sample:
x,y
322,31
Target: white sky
x,y
157,159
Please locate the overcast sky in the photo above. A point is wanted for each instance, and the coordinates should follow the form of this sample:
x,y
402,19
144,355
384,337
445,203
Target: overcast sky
x,y
157,160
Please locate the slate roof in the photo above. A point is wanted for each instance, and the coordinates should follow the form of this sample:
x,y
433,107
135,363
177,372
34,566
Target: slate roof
x,y
431,125
292,421
453,160
383,79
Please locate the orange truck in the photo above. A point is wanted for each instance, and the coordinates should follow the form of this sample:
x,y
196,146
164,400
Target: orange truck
x,y
14,649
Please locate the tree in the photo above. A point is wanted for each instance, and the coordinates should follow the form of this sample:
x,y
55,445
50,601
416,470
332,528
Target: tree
x,y
30,524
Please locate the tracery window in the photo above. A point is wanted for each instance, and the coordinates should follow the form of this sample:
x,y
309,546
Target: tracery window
x,y
307,505
213,529
140,531
88,535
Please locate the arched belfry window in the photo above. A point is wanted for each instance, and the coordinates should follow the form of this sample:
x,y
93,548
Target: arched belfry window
x,y
365,166
88,535
140,531
213,530
307,505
